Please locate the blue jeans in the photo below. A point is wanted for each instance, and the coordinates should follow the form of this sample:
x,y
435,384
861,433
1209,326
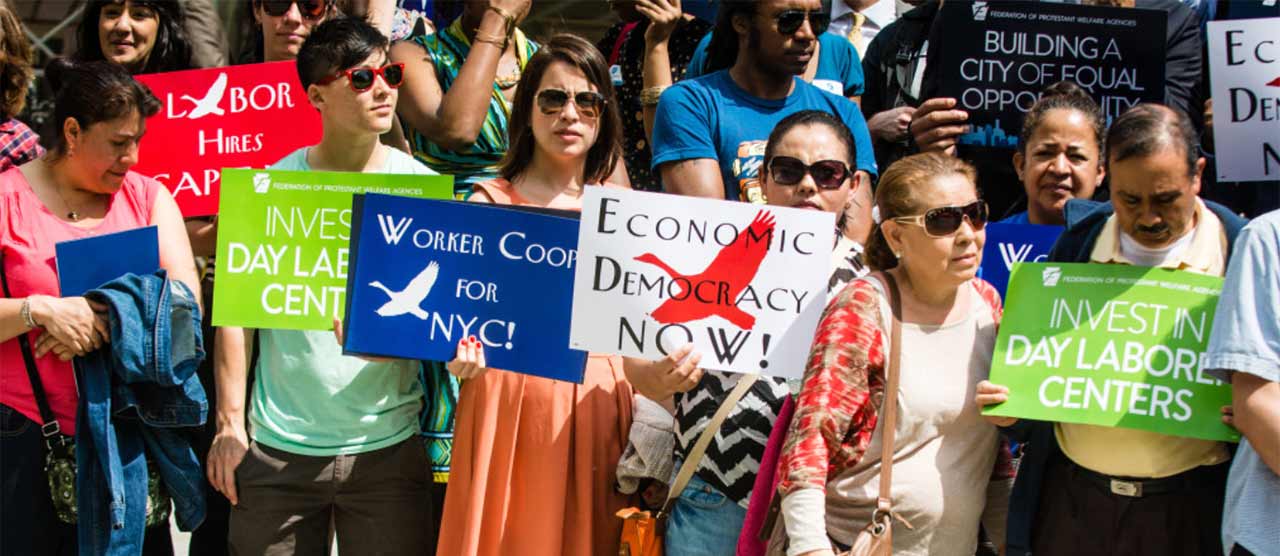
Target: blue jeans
x,y
703,522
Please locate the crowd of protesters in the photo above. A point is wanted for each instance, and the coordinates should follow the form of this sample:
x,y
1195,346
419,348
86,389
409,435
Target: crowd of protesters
x,y
811,104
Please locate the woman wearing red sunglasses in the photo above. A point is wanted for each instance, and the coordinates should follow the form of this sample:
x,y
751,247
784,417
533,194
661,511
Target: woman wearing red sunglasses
x,y
929,243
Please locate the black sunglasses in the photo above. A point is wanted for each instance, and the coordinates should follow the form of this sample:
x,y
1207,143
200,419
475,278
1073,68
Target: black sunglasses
x,y
944,221
310,9
589,103
789,21
827,174
361,79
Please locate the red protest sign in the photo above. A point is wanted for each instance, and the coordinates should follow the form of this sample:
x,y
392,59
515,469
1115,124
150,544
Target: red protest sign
x,y
238,116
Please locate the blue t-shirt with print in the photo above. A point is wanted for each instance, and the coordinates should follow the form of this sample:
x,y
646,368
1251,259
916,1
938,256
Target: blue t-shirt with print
x,y
839,69
712,117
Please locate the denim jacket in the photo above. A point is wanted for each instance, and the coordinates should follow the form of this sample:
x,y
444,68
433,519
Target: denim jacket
x,y
136,395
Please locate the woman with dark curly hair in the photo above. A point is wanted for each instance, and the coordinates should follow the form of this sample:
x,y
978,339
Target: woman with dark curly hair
x,y
144,36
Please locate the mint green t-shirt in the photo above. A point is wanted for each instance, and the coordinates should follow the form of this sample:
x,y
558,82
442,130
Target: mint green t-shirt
x,y
309,399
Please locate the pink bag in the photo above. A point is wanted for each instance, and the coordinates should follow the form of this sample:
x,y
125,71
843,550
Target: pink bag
x,y
766,485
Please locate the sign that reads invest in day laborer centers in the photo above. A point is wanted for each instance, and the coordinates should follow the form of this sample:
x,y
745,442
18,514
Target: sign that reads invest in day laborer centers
x,y
283,243
1111,345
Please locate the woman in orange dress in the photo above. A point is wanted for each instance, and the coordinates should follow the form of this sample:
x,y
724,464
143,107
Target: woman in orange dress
x,y
534,458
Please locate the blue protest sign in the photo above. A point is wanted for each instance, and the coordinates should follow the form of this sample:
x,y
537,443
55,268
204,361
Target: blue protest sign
x,y
1008,244
85,264
426,274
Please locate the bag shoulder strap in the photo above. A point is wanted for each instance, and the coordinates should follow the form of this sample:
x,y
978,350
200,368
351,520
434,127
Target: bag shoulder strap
x,y
890,405
700,447
49,427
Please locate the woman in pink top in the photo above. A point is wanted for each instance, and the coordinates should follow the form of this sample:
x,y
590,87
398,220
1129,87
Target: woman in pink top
x,y
534,459
81,188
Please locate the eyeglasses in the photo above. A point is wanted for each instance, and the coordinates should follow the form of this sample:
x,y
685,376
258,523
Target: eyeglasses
x,y
361,79
589,103
789,21
944,221
827,174
310,9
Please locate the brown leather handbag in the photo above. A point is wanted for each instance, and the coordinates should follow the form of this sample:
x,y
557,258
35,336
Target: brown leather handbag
x,y
876,538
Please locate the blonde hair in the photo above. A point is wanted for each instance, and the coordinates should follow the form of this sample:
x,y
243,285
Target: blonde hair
x,y
899,194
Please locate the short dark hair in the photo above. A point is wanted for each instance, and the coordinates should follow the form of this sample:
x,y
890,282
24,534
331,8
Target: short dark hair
x,y
577,52
722,50
171,51
335,45
1148,128
813,117
1064,95
92,92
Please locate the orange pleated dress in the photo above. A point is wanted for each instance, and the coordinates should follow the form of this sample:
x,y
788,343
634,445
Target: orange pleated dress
x,y
534,459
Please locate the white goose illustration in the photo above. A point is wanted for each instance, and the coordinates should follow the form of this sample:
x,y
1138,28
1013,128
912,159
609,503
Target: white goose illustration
x,y
408,301
208,104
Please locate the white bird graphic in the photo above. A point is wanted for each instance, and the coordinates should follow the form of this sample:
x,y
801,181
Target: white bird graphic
x,y
208,104
408,301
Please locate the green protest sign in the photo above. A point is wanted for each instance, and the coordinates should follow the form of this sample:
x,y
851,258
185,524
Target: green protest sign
x,y
1111,345
283,240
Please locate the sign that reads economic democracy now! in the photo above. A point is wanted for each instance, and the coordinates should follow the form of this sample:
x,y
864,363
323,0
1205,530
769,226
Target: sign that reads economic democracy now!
x,y
1244,69
1111,345
994,58
427,274
283,243
238,116
744,283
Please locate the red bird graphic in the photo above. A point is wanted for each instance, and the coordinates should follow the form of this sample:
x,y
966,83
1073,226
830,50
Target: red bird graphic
x,y
1274,82
716,289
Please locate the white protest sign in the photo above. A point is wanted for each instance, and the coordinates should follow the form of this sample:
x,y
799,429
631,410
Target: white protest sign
x,y
1244,74
746,284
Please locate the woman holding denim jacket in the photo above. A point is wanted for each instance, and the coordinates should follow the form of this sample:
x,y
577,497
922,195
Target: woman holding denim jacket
x,y
82,187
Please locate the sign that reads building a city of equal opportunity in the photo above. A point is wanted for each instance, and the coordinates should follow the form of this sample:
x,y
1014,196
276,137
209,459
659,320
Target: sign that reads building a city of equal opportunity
x,y
995,58
1111,345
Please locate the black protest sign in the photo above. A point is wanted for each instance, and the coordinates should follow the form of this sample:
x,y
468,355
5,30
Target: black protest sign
x,y
994,58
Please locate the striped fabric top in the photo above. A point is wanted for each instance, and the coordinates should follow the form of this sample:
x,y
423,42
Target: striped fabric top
x,y
448,49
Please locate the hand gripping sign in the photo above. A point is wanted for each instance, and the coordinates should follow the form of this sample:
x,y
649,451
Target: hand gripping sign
x,y
426,274
232,117
744,283
1111,345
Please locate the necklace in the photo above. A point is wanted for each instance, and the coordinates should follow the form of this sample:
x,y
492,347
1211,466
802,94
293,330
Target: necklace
x,y
72,213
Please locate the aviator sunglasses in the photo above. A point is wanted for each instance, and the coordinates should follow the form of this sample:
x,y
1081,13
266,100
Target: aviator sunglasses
x,y
944,221
361,79
310,9
827,174
589,103
789,21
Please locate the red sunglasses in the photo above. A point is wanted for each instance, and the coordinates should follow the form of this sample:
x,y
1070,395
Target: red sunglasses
x,y
361,79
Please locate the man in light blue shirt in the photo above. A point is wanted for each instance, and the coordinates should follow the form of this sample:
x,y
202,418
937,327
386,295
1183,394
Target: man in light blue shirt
x,y
1245,349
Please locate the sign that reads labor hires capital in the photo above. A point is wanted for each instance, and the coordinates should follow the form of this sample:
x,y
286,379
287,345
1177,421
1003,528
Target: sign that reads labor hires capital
x,y
744,283
283,243
996,57
1244,72
238,116
1111,345
427,274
